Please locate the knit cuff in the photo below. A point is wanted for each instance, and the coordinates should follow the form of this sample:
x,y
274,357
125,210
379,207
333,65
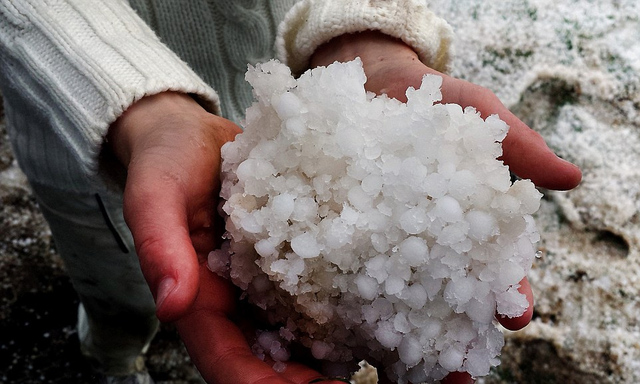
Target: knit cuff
x,y
86,62
311,23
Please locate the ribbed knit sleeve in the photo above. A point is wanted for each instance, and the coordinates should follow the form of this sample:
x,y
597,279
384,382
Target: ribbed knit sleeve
x,y
76,65
310,23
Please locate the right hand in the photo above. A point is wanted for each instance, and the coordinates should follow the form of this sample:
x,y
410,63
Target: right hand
x,y
171,148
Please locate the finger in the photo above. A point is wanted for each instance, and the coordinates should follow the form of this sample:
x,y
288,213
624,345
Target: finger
x,y
529,157
219,348
524,150
520,322
155,209
458,378
206,227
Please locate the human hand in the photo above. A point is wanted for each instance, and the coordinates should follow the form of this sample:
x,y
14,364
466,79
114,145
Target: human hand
x,y
171,148
391,67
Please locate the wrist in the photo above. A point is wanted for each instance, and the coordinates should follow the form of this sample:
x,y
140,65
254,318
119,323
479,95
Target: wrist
x,y
139,120
389,64
372,47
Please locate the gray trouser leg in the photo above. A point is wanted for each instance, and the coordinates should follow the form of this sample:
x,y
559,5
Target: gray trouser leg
x,y
117,315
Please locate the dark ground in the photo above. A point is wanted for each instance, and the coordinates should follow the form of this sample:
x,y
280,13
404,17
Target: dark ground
x,y
38,339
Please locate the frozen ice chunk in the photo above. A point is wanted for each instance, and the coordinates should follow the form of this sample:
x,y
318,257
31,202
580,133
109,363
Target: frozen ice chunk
x,y
401,324
254,169
280,79
430,93
510,273
511,302
372,228
448,209
414,221
372,184
218,261
359,198
413,172
460,290
304,209
387,335
451,358
320,349
481,310
288,105
375,268
478,362
414,250
482,225
435,185
367,287
265,248
384,307
453,234
410,351
528,195
282,206
415,296
338,233
393,285
252,223
305,246
462,184
506,204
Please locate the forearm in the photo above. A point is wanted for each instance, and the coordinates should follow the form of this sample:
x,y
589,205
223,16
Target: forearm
x,y
80,64
372,47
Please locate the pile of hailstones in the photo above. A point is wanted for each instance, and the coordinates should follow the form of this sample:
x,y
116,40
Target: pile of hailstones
x,y
370,228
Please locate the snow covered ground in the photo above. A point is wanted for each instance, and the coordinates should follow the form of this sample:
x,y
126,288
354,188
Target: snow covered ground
x,y
571,70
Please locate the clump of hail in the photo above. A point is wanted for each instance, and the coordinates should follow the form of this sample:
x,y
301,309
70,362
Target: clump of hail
x,y
368,228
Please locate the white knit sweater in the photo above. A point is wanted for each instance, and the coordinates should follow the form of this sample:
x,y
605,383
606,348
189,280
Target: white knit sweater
x,y
69,68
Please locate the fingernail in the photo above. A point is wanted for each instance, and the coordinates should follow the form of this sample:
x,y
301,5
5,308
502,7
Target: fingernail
x,y
166,286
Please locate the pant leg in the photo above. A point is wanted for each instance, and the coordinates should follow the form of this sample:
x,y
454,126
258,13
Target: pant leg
x,y
117,316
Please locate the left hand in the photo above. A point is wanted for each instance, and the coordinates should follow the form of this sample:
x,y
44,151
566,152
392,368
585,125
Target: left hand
x,y
391,67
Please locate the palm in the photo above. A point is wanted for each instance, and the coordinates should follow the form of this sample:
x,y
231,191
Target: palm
x,y
525,151
170,202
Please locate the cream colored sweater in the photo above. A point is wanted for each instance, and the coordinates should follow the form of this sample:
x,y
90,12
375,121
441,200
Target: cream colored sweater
x,y
69,68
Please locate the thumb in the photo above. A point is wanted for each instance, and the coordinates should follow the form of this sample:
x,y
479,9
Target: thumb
x,y
529,157
156,212
516,323
524,150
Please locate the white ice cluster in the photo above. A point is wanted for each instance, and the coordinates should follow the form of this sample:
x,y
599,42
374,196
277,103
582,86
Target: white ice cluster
x,y
370,228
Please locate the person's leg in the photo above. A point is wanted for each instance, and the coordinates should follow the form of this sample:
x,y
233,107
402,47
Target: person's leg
x,y
117,318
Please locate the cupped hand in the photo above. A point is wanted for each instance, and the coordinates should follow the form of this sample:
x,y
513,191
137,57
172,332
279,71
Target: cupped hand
x,y
392,67
171,149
